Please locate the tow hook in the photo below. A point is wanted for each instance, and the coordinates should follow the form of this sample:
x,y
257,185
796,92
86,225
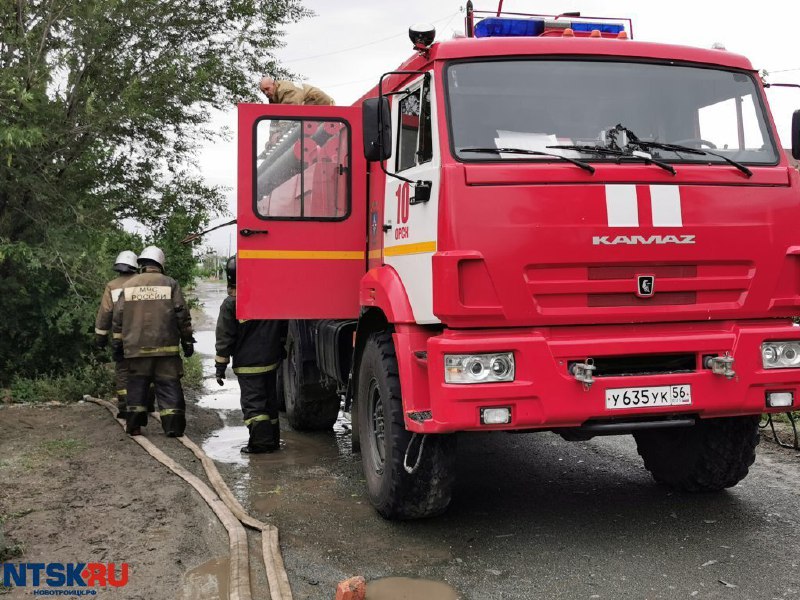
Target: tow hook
x,y
583,372
721,365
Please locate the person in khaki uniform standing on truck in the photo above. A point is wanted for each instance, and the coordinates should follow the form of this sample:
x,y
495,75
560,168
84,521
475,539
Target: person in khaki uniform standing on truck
x,y
289,92
126,266
151,323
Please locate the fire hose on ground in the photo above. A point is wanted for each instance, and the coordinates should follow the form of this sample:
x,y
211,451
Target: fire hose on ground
x,y
232,515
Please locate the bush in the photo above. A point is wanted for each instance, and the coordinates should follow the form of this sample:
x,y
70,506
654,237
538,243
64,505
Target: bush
x,y
193,372
94,379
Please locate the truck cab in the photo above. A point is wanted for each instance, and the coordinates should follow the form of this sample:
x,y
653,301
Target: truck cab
x,y
544,225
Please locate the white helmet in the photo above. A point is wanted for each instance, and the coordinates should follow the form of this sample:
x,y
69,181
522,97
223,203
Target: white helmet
x,y
126,262
153,253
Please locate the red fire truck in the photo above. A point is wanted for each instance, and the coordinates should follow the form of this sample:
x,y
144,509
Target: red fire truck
x,y
542,225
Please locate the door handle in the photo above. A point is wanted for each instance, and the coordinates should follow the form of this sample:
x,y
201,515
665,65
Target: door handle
x,y
249,232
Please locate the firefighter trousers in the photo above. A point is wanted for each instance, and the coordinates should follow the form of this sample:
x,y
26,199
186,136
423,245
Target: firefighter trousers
x,y
121,381
121,377
260,408
165,372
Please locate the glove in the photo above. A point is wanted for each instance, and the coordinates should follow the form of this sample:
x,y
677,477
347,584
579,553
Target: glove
x,y
100,341
188,347
117,352
221,373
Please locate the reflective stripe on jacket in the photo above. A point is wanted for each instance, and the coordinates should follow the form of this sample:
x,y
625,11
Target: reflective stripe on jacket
x,y
151,317
102,323
256,345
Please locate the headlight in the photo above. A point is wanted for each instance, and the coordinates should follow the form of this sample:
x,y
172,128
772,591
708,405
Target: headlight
x,y
780,355
478,368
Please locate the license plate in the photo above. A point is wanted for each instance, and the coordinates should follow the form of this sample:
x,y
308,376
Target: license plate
x,y
643,397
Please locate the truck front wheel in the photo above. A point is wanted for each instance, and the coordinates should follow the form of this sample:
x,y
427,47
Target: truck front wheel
x,y
395,493
713,455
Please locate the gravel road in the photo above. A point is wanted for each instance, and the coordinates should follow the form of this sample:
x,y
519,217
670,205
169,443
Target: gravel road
x,y
533,516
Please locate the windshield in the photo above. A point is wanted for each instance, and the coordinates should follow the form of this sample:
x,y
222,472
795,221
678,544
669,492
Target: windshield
x,y
538,104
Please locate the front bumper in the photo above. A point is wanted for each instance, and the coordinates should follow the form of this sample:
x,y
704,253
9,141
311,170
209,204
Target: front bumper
x,y
544,394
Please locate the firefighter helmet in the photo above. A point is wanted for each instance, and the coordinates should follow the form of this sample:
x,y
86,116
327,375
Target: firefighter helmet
x,y
126,262
153,254
230,270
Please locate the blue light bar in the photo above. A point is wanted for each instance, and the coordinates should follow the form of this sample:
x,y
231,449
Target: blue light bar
x,y
612,28
503,27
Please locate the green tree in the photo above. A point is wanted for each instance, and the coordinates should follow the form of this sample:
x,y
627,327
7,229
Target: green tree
x,y
103,104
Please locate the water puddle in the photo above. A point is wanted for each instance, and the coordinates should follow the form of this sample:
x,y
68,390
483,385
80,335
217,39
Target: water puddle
x,y
255,473
406,588
209,581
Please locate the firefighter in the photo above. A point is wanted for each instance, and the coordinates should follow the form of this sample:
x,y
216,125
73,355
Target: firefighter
x,y
289,92
257,347
150,325
126,266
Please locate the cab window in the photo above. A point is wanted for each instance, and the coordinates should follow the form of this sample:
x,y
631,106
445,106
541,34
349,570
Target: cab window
x,y
301,170
414,136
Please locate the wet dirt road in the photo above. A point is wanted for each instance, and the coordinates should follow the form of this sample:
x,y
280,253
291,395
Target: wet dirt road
x,y
533,516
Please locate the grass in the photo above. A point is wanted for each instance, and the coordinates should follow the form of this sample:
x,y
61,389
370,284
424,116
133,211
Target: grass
x,y
93,378
49,450
193,372
9,552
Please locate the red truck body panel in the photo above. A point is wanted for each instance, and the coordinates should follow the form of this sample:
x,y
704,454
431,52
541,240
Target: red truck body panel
x,y
530,258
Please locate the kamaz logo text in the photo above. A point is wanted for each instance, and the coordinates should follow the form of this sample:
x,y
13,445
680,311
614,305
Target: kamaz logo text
x,y
644,240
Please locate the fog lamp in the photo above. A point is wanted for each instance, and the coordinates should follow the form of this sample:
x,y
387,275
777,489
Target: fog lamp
x,y
495,416
780,399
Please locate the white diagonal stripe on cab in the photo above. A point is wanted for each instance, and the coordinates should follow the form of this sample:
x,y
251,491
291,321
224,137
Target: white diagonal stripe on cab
x,y
665,201
621,206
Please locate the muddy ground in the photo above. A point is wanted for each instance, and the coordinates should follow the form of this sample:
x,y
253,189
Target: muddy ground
x,y
533,516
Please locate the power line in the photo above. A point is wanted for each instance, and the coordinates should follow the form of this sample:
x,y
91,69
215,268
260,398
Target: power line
x,y
359,46
783,70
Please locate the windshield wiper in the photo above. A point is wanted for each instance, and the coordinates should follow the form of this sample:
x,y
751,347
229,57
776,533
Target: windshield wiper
x,y
600,150
578,163
688,150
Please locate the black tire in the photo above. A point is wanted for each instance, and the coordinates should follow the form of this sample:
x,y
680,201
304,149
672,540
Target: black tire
x,y
310,405
713,455
395,493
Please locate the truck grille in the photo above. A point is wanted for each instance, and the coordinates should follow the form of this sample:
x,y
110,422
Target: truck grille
x,y
567,289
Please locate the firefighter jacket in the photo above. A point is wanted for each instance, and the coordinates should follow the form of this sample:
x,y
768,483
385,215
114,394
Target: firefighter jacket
x,y
289,92
102,324
256,346
151,317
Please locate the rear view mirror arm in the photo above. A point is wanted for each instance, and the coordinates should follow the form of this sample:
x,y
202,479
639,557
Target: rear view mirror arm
x,y
418,184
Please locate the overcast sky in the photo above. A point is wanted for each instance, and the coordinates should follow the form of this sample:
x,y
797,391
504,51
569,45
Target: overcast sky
x,y
350,43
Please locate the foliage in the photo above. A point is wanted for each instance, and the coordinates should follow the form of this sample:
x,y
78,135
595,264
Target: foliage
x,y
102,106
92,378
193,373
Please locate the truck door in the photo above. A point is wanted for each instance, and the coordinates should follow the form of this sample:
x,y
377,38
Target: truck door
x,y
301,212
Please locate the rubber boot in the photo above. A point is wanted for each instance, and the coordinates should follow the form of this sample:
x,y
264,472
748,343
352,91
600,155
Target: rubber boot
x,y
261,438
174,423
136,414
122,407
172,404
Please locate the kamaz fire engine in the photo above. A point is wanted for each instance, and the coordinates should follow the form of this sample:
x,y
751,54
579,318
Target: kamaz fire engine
x,y
541,225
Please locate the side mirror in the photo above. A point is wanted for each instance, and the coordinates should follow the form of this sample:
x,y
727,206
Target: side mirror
x,y
377,124
796,135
